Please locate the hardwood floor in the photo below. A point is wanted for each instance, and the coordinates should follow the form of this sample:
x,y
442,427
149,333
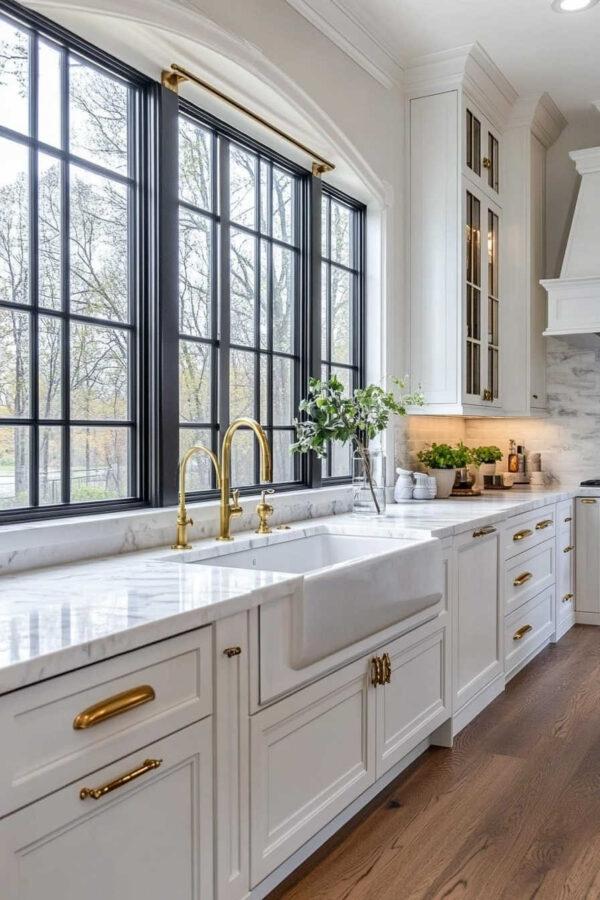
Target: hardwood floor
x,y
511,812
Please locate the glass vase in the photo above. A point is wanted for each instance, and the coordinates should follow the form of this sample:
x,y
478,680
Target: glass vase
x,y
368,483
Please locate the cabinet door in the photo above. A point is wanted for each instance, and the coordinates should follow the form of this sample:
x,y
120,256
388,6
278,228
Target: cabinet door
x,y
565,579
151,838
587,526
311,755
478,622
417,697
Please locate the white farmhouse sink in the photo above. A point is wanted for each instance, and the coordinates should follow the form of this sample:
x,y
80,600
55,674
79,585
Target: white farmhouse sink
x,y
353,586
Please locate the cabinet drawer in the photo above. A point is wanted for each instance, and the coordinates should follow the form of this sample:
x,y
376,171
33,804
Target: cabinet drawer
x,y
311,755
128,701
527,628
150,838
529,530
527,574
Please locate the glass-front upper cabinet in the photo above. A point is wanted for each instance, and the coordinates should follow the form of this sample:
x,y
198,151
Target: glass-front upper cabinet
x,y
482,300
481,152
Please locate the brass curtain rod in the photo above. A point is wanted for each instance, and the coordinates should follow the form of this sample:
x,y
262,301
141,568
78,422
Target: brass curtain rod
x,y
173,77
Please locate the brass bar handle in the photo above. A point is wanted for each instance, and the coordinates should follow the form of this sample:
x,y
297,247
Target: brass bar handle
x,y
545,523
387,668
567,598
569,548
232,651
376,671
521,535
568,518
521,632
588,500
481,532
113,706
96,793
522,579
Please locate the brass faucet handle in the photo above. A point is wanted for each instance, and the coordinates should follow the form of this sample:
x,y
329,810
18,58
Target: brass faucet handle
x,y
234,504
265,511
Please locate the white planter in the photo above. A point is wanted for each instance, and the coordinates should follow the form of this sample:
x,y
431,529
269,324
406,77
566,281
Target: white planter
x,y
445,481
487,469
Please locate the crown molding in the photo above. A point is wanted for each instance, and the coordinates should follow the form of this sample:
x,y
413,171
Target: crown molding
x,y
353,38
468,67
540,115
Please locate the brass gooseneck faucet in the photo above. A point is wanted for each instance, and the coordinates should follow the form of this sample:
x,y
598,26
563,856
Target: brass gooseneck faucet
x,y
229,505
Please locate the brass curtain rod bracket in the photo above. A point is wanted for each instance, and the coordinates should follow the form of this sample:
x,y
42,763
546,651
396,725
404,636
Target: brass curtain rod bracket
x,y
176,75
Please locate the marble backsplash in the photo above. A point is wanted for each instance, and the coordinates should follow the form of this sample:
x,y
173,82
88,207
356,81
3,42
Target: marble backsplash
x,y
568,437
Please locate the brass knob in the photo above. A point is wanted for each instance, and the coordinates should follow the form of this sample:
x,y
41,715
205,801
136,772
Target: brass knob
x,y
265,511
487,163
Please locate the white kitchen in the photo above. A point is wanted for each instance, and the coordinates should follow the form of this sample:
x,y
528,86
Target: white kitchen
x,y
299,470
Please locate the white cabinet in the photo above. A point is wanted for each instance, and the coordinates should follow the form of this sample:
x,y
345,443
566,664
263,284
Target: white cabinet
x,y
150,837
565,568
587,580
455,233
477,635
316,751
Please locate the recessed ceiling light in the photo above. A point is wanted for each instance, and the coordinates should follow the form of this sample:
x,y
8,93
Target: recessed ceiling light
x,y
565,6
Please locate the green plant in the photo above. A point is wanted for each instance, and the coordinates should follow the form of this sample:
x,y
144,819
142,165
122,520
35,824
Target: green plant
x,y
328,414
486,454
443,456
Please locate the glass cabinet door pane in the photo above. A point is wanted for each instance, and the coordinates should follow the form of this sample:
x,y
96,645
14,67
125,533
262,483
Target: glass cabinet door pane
x,y
473,294
473,143
493,325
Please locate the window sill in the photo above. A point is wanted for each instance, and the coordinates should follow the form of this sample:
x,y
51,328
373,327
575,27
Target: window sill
x,y
45,542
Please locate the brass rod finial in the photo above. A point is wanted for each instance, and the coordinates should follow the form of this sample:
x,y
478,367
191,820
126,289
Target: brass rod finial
x,y
172,80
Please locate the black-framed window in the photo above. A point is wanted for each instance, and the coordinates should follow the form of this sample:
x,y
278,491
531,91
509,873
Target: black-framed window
x,y
160,274
342,300
241,249
69,274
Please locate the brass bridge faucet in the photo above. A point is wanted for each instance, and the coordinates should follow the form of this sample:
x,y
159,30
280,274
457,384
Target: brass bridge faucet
x,y
229,505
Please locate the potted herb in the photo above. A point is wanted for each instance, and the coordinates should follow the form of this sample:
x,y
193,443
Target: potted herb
x,y
484,460
330,415
442,461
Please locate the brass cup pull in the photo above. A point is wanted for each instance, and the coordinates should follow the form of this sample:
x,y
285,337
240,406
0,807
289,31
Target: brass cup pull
x,y
588,500
569,548
387,668
232,651
521,632
545,523
522,579
113,706
481,532
376,671
96,793
568,519
487,163
521,535
567,598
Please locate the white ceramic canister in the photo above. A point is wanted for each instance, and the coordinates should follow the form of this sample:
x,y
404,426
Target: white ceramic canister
x,y
403,489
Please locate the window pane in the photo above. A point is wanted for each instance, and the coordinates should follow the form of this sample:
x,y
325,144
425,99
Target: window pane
x,y
14,466
14,222
243,267
14,80
195,268
195,164
49,106
265,255
50,367
283,390
99,463
283,461
194,382
340,460
14,363
325,267
325,203
241,384
98,246
265,362
98,122
283,206
265,225
200,470
242,186
283,299
50,465
242,459
99,372
49,224
341,234
341,315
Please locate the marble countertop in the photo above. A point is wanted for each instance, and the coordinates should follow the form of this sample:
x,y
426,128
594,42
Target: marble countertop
x,y
59,618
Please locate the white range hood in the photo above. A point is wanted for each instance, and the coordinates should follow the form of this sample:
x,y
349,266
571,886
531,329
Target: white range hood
x,y
574,298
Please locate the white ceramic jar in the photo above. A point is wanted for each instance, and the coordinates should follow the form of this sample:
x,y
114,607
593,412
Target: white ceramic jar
x,y
403,489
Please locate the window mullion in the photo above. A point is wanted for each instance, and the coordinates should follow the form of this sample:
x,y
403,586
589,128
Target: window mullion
x,y
315,467
34,487
65,255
